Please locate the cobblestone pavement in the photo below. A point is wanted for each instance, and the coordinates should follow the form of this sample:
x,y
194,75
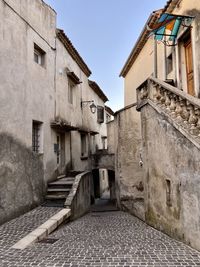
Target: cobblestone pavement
x,y
97,239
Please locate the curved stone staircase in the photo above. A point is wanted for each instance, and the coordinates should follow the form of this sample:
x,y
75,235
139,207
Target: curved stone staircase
x,y
58,190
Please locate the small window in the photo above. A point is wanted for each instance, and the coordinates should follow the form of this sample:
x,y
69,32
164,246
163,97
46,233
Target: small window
x,y
100,114
84,150
71,87
37,137
104,142
168,193
108,117
39,55
169,63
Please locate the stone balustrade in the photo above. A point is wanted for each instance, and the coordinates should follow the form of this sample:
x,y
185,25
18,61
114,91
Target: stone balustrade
x,y
181,107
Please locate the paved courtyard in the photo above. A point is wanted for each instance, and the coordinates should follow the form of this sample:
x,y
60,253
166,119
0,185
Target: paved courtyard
x,y
97,239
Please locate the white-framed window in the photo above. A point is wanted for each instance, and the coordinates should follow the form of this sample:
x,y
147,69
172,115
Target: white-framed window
x,y
39,55
37,138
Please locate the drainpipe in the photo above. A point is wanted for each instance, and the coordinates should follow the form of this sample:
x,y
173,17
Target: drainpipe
x,y
70,143
55,67
155,73
165,63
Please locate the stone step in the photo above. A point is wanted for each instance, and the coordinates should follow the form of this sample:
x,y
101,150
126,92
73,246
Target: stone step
x,y
58,190
62,182
56,196
53,203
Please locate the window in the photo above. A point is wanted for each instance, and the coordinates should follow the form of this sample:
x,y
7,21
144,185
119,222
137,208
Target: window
x,y
71,86
108,117
84,151
39,55
169,63
104,142
100,114
36,137
168,193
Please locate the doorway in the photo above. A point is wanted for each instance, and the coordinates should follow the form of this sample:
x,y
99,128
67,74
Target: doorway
x,y
189,67
61,152
186,63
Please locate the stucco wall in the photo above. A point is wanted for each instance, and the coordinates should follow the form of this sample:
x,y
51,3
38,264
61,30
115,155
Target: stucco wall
x,y
170,156
139,72
143,66
21,178
128,172
27,94
111,136
82,118
31,92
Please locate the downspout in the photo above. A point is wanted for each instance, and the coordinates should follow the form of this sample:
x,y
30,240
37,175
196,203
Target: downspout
x,y
70,144
165,63
55,66
155,72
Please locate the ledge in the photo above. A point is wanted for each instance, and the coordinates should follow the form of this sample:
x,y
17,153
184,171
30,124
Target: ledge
x,y
43,230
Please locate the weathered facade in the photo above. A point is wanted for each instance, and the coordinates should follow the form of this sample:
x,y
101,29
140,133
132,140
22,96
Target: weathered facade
x,y
27,95
167,126
46,124
124,141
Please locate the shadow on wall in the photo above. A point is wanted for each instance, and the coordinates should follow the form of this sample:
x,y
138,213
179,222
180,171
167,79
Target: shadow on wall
x,y
21,178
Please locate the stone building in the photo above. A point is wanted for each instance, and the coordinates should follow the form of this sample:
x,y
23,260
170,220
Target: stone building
x,y
46,102
156,136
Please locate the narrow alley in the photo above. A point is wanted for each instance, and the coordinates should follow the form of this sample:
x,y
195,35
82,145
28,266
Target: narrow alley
x,y
112,238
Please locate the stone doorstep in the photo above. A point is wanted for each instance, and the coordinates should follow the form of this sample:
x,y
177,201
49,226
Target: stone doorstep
x,y
43,230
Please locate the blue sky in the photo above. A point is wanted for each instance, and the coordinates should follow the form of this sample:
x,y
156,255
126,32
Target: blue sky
x,y
104,32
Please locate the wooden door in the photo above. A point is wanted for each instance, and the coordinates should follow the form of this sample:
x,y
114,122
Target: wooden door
x,y
189,68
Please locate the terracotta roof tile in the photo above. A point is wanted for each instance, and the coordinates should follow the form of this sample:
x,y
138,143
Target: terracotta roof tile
x,y
97,90
73,52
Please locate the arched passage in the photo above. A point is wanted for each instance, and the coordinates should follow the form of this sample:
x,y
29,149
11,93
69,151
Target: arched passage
x,y
103,195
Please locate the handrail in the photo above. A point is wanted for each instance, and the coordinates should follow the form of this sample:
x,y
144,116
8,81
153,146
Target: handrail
x,y
192,99
74,189
183,108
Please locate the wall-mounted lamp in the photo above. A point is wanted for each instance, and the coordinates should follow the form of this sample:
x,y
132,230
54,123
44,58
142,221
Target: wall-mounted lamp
x,y
93,107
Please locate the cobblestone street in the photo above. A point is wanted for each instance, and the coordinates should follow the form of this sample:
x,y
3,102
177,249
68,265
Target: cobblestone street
x,y
97,239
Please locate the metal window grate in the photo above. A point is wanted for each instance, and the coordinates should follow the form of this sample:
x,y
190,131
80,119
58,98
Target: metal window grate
x,y
35,137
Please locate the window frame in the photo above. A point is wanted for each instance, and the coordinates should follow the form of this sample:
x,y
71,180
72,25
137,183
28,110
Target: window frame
x,y
100,114
71,88
37,141
169,63
84,145
41,54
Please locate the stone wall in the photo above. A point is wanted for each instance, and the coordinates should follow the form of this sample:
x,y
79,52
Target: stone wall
x,y
128,172
172,178
79,199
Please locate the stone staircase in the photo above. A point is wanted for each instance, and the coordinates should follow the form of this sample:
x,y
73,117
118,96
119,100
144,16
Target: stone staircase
x,y
58,190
